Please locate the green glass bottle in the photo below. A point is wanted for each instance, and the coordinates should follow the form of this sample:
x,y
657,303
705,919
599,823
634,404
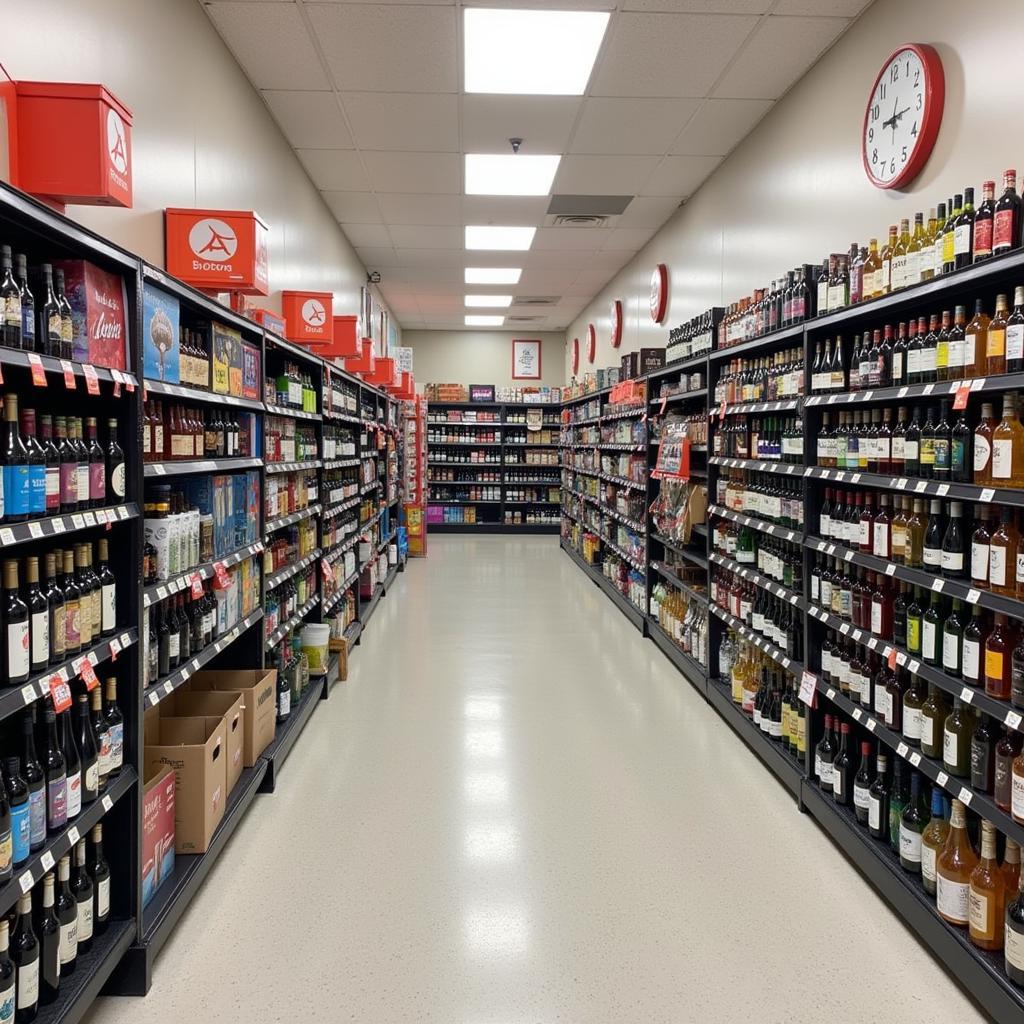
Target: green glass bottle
x,y
913,820
897,801
934,713
914,617
956,740
931,631
953,639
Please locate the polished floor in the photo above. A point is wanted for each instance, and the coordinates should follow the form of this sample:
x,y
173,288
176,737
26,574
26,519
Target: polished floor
x,y
517,812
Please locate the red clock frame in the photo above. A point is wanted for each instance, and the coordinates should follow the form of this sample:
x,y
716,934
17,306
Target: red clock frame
x,y
659,293
616,317
931,117
591,342
575,356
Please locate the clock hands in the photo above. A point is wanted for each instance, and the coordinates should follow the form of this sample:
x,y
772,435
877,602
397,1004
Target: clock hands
x,y
897,115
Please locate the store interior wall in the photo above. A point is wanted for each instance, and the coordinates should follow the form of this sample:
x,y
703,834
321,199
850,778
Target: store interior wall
x,y
795,190
202,136
481,357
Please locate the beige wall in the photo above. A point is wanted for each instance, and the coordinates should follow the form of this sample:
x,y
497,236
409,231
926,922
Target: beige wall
x,y
481,357
795,189
202,136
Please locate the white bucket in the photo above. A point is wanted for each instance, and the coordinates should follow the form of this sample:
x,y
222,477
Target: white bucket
x,y
315,640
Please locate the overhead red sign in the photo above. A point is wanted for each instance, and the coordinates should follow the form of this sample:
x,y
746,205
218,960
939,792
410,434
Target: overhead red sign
x,y
308,317
217,250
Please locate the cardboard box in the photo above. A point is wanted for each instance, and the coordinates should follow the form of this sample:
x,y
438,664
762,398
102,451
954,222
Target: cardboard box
x,y
161,323
98,303
630,366
226,360
258,688
157,830
230,705
196,750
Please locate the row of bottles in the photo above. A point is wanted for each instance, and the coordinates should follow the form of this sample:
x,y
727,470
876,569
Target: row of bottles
x,y
194,363
292,665
789,300
449,493
56,615
339,442
285,493
683,620
281,603
768,438
292,387
776,499
288,440
289,545
490,456
458,434
179,628
55,465
693,338
765,613
44,325
765,379
458,476
340,397
173,432
779,560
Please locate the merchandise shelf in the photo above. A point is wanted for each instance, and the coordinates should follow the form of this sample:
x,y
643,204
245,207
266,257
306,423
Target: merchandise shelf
x,y
758,466
938,389
288,732
66,525
691,670
293,517
287,410
679,366
743,408
282,575
773,652
680,549
11,357
758,579
188,394
621,481
292,467
334,510
193,466
328,605
206,570
916,488
766,341
346,463
92,970
666,573
677,396
762,525
279,634
632,524
342,546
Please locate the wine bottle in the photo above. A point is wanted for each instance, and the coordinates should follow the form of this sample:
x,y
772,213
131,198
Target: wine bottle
x,y
824,755
72,763
987,895
912,824
48,930
843,767
51,459
878,799
108,592
1014,936
115,465
28,305
99,870
25,954
56,774
897,801
953,871
36,465
87,751
6,838
48,337
115,730
17,630
36,782
21,828
72,606
932,840
17,495
862,784
67,917
82,890
67,323
97,465
7,974
102,734
10,302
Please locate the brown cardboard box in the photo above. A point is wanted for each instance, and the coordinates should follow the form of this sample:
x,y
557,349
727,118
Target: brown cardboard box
x,y
157,830
195,748
258,688
230,705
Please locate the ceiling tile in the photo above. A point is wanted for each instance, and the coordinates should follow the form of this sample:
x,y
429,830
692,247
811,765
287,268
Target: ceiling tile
x,y
415,172
387,47
699,6
542,122
432,257
618,125
354,207
668,54
404,121
603,175
412,209
367,235
511,210
338,170
611,259
558,259
406,236
545,281
571,238
781,50
647,212
836,8
309,120
270,42
718,126
679,175
435,276
591,280
629,238
377,257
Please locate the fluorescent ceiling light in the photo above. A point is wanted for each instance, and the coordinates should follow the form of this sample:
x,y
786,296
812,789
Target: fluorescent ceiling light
x,y
493,275
531,52
495,301
487,237
519,175
475,320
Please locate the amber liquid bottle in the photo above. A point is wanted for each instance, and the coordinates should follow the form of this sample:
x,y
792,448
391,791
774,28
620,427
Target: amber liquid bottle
x,y
1008,446
998,658
953,870
976,342
983,445
987,895
996,345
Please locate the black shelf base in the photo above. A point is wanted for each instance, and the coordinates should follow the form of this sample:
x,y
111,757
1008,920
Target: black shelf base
x,y
690,669
277,753
548,528
630,610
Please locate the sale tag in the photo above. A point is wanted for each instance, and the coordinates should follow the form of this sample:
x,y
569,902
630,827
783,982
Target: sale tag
x,y
903,750
107,802
937,585
60,693
197,585
721,411
960,402
326,571
664,402
892,659
69,375
973,596
38,373
129,382
857,714
808,687
221,575
88,674
92,382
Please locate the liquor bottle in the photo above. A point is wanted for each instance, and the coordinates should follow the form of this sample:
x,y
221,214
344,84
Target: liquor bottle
x,y
987,895
887,255
114,465
49,944
949,235
963,232
898,267
51,464
942,355
915,252
932,840
942,445
67,917
108,591
56,774
995,346
843,767
36,461
961,468
954,543
10,303
28,305
953,640
97,468
1008,446
72,606
912,824
17,494
1007,749
82,890
99,870
25,954
39,617
973,651
7,975
878,799
102,734
984,219
934,713
1015,333
48,337
983,436
871,283
72,763
953,870
862,784
998,654
1003,549
67,324
898,797
17,794
115,729
956,741
35,780
983,745
1006,223
17,629
86,737
81,460
824,755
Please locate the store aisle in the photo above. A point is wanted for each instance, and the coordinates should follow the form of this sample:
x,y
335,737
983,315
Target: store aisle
x,y
517,812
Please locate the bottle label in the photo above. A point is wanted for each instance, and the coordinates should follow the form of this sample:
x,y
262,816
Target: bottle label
x,y
952,561
929,360
57,802
993,665
116,756
7,1003
68,483
1002,230
74,790
932,557
108,601
953,900
928,858
914,634
950,748
825,774
85,920
996,345
860,796
37,815
950,651
6,853
927,730
881,542
970,349
997,565
40,637
876,618
982,452
117,480
982,923
911,451
962,240
52,488
67,944
17,490
103,898
72,624
910,844
972,659
21,833
92,776
1014,947
37,487
1014,341
83,482
874,813
28,984
1002,459
97,481
912,723
983,237
17,650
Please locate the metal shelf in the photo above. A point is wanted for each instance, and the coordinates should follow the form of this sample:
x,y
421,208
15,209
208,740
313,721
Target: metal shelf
x,y
285,410
279,634
207,570
691,670
791,596
282,575
288,732
784,532
758,466
60,526
666,573
697,557
53,365
293,517
292,467
756,344
677,396
189,394
346,463
159,469
773,652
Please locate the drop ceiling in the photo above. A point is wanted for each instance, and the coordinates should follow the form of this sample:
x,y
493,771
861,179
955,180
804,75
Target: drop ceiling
x,y
369,94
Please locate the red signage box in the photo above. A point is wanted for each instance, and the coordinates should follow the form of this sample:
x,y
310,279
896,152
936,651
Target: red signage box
x,y
308,317
364,362
346,338
72,142
217,250
383,373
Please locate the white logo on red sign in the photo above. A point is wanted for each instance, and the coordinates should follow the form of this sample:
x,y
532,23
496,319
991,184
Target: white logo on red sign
x,y
313,313
117,145
213,240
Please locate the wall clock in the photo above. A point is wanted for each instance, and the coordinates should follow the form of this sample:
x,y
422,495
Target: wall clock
x,y
575,356
659,293
903,115
616,318
591,342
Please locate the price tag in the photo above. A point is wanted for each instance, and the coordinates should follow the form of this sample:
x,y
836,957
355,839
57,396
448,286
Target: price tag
x,y
920,486
153,698
28,694
159,469
6,536
92,382
903,750
965,796
47,861
915,758
88,674
987,494
871,725
978,383
221,576
197,585
967,695
58,525
856,635
1013,719
941,779
937,585
873,643
161,593
857,714
928,389
664,402
25,882
90,518
74,835
107,802
77,521
69,375
915,667
38,373
115,648
845,629
168,687
960,402
902,391
35,531
122,512
60,693
855,478
901,483
890,569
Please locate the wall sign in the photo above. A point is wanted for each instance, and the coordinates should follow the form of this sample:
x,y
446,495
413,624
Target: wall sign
x,y
903,115
616,316
308,316
526,356
575,356
217,250
591,342
659,293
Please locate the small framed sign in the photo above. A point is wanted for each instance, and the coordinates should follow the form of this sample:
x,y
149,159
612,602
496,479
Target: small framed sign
x,y
526,358
481,392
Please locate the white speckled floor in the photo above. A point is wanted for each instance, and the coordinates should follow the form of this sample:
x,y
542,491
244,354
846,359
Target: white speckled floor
x,y
517,812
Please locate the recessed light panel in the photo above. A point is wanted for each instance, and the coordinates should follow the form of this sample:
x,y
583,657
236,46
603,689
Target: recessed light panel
x,y
476,320
519,174
531,52
489,237
489,301
493,275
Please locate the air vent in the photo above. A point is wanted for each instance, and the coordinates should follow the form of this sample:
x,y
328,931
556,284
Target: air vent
x,y
588,206
535,300
524,319
580,221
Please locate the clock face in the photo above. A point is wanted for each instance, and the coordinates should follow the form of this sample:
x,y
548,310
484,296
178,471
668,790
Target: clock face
x,y
616,318
903,116
591,342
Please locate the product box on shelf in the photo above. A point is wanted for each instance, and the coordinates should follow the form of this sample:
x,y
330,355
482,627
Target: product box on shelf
x,y
161,321
227,360
258,689
650,359
230,706
98,302
630,366
157,829
195,749
481,392
251,375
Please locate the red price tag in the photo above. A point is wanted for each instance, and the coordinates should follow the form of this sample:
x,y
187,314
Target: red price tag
x,y
960,402
664,402
60,693
38,373
326,570
92,382
69,375
88,674
116,376
197,585
221,580
892,660
129,383
721,411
